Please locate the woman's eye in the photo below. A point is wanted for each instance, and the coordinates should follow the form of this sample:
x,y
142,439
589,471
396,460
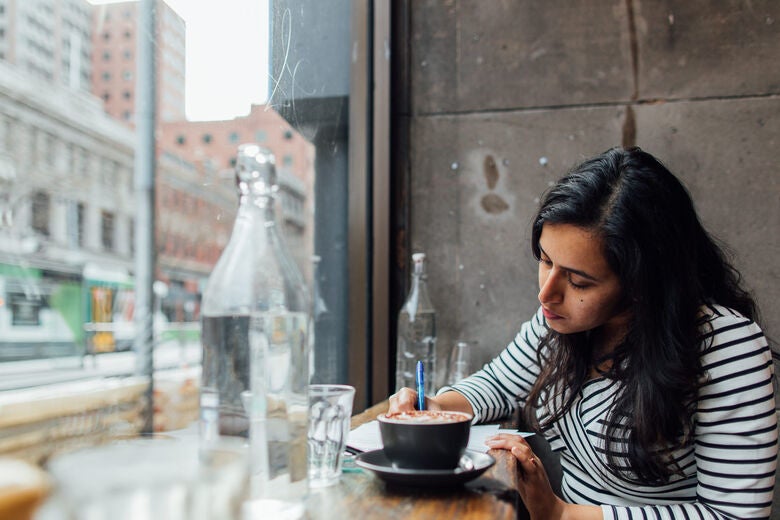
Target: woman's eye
x,y
577,285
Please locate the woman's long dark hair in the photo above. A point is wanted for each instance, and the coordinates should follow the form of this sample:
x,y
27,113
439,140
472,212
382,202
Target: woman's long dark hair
x,y
668,266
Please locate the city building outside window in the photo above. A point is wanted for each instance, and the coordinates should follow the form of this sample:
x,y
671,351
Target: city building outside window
x,y
107,230
41,203
87,264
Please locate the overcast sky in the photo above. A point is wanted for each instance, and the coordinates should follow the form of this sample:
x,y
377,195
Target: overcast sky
x,y
227,56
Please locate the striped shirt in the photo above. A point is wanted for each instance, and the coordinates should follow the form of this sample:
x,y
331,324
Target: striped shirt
x,y
729,470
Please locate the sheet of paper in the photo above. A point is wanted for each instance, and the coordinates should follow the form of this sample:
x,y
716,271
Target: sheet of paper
x,y
367,438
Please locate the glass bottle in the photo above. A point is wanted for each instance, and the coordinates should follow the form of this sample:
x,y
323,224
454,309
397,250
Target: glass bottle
x,y
255,324
416,332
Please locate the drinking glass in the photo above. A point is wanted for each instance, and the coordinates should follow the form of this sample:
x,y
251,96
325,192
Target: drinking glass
x,y
460,363
330,409
152,478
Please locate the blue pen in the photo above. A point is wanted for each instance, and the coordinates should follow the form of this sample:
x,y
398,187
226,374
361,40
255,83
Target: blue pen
x,y
420,386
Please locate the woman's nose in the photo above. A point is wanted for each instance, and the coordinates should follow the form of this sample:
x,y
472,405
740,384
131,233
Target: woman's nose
x,y
550,288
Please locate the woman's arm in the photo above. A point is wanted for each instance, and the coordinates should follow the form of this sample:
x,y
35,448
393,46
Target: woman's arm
x,y
500,388
493,392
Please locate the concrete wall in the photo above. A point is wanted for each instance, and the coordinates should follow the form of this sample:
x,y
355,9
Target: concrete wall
x,y
503,97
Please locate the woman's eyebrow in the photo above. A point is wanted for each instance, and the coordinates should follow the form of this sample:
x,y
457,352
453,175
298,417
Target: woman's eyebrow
x,y
571,269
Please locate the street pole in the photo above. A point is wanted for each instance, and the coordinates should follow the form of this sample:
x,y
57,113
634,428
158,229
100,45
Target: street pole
x,y
145,163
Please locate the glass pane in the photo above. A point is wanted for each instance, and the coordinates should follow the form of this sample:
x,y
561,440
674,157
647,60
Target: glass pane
x,y
310,79
265,71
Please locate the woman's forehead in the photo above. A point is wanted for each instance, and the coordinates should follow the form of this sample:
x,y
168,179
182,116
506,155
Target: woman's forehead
x,y
575,247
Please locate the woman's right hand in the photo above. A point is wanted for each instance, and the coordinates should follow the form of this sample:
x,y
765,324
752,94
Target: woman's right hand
x,y
405,400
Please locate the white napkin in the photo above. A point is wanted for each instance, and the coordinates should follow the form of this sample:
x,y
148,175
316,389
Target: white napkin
x,y
366,437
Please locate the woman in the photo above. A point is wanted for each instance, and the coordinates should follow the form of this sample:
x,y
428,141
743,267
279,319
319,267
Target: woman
x,y
643,367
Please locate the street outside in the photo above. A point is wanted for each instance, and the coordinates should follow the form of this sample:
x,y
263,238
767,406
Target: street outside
x,y
170,355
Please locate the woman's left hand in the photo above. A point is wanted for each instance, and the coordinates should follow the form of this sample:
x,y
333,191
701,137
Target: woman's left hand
x,y
534,485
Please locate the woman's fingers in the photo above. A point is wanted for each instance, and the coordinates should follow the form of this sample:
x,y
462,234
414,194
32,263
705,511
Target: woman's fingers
x,y
527,459
403,400
519,448
506,441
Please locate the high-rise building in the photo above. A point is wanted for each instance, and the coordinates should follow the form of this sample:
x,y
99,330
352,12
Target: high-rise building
x,y
114,43
48,39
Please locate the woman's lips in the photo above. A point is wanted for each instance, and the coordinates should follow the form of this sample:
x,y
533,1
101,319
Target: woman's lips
x,y
550,315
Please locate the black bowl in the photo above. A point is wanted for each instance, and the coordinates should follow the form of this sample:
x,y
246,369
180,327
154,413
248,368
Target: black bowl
x,y
425,439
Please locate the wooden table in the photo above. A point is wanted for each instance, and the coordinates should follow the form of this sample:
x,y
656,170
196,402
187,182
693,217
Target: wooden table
x,y
363,496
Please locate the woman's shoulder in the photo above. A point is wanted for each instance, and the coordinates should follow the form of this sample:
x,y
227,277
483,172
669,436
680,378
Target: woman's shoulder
x,y
716,314
721,326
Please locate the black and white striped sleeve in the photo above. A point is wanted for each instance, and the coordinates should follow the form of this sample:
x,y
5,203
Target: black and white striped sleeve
x,y
496,391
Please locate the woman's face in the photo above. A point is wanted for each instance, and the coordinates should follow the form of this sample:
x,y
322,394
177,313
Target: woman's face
x,y
577,289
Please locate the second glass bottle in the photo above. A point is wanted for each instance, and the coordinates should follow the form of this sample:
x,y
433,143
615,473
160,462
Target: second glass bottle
x,y
416,332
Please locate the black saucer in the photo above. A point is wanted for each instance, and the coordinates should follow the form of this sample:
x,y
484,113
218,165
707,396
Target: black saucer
x,y
472,465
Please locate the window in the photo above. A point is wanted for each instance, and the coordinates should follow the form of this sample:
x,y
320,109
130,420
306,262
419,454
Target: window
x,y
25,311
40,213
71,232
75,224
107,230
